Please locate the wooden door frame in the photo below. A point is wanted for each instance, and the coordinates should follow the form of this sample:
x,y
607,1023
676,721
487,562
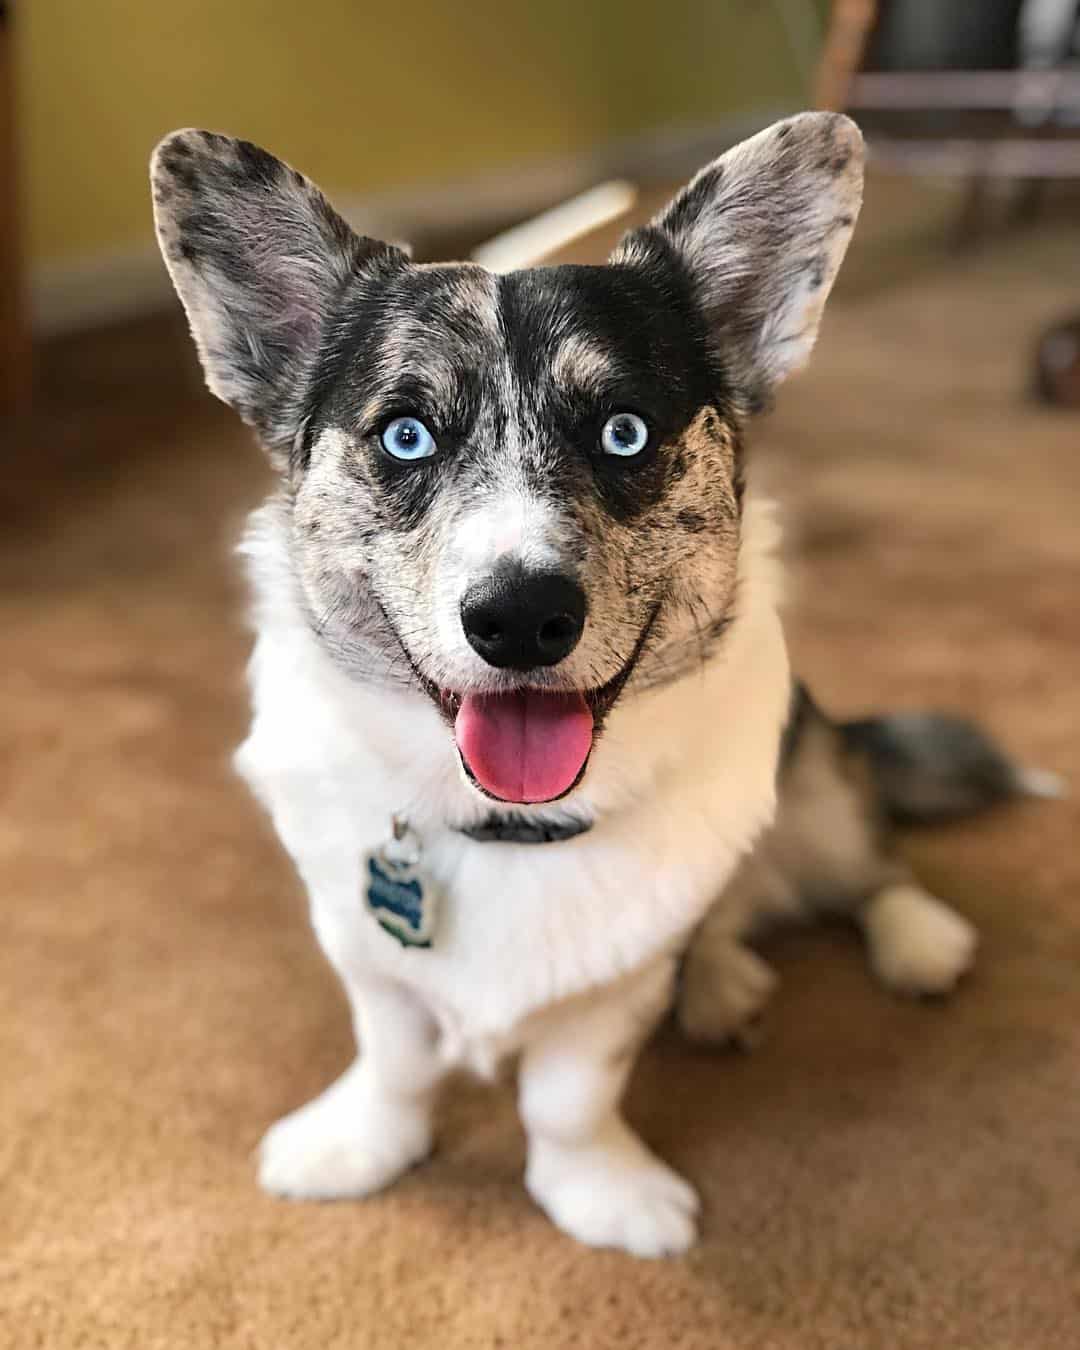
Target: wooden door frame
x,y
15,348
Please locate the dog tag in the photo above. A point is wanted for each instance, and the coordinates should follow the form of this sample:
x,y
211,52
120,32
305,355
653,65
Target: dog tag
x,y
403,901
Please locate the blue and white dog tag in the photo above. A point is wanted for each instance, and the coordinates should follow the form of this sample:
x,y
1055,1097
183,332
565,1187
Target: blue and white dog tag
x,y
403,901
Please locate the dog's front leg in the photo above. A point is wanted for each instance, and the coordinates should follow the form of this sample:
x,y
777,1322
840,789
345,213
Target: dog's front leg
x,y
586,1168
374,1122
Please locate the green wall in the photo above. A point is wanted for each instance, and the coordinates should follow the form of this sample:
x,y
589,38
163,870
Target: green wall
x,y
364,97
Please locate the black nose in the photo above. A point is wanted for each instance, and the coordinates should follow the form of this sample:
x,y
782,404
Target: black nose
x,y
518,619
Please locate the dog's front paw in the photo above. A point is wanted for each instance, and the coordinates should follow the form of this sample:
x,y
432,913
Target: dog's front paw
x,y
345,1144
918,945
613,1193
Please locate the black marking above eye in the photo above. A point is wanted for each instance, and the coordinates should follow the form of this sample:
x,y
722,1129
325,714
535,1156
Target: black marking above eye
x,y
693,522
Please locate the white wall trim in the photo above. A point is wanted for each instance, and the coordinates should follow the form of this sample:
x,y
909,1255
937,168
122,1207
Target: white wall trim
x,y
98,288
121,284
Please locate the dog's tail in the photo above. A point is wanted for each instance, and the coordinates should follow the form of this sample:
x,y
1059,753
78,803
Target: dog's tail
x,y
930,767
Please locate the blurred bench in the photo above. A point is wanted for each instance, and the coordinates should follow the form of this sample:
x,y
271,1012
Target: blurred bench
x,y
1012,123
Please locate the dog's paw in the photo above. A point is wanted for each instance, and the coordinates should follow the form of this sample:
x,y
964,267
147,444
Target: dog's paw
x,y
917,944
342,1145
613,1194
724,991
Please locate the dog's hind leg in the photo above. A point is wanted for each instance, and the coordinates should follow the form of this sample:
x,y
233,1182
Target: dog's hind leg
x,y
586,1168
916,943
725,985
725,989
831,853
374,1122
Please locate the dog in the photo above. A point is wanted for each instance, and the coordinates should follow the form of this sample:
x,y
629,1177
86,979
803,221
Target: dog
x,y
521,695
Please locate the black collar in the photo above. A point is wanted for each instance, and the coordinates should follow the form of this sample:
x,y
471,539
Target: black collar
x,y
514,828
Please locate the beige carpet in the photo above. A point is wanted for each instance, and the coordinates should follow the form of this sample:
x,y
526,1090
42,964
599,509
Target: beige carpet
x,y
879,1176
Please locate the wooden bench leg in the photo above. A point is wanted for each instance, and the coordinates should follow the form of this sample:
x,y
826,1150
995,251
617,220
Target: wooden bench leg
x,y
848,31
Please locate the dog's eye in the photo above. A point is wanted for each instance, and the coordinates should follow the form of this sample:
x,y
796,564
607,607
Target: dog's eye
x,y
624,434
408,438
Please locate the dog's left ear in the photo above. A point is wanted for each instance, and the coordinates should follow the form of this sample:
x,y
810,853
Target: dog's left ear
x,y
259,258
761,233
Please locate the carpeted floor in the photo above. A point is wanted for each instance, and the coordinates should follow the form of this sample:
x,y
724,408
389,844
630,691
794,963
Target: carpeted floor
x,y
879,1176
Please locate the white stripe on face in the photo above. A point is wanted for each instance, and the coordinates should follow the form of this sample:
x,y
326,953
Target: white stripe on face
x,y
514,524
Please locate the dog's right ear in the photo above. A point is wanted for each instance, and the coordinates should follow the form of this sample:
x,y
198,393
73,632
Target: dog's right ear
x,y
258,257
760,234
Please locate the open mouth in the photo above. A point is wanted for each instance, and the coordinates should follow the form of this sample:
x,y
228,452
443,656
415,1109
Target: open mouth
x,y
529,745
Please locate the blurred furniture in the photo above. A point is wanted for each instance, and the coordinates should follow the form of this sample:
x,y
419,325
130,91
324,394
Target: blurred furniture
x,y
849,26
1057,364
939,86
15,367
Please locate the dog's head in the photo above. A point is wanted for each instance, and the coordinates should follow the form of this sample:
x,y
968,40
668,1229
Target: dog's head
x,y
521,493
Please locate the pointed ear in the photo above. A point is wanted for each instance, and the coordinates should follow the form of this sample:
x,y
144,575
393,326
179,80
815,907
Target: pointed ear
x,y
761,233
259,259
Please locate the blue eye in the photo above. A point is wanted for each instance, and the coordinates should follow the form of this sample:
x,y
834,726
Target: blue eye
x,y
408,438
625,434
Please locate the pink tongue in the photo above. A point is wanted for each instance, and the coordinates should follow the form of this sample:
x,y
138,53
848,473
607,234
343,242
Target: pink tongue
x,y
527,746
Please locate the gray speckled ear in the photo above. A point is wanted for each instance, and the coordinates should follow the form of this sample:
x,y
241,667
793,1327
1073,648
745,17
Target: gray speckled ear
x,y
259,259
762,232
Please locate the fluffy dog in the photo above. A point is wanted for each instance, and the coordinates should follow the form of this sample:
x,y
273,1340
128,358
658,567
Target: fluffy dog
x,y
520,688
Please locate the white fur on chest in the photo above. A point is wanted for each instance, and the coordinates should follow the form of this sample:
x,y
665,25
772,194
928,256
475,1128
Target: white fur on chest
x,y
681,783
